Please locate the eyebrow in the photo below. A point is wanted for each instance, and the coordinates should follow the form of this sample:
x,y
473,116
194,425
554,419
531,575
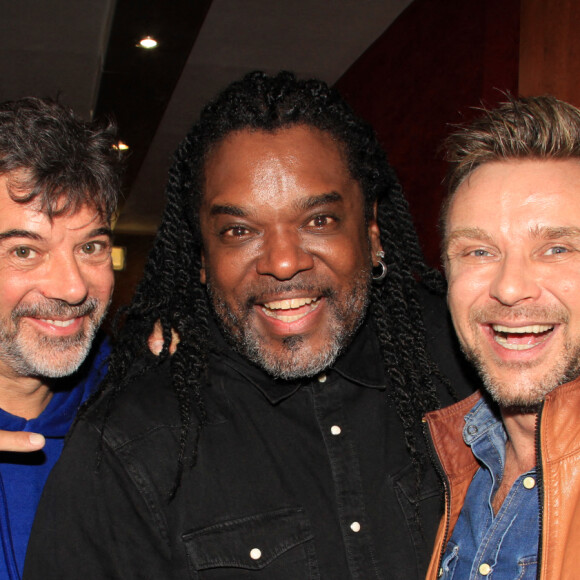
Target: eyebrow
x,y
20,234
537,232
227,209
553,233
304,204
104,231
469,234
318,200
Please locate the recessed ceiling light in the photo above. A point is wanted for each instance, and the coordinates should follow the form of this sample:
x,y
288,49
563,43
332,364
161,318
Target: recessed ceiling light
x,y
148,42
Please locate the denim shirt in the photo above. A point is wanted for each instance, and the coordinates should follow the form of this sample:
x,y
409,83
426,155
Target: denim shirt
x,y
502,546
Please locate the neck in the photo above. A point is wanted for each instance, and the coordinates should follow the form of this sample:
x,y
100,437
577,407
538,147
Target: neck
x,y
24,397
520,451
521,446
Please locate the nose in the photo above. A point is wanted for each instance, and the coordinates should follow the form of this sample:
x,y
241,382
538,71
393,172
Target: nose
x,y
515,281
283,256
64,280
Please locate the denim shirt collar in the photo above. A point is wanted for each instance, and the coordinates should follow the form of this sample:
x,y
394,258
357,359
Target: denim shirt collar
x,y
485,434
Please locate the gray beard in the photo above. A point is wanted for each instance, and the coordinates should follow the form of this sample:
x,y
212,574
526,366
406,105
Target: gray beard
x,y
299,361
503,395
526,393
27,358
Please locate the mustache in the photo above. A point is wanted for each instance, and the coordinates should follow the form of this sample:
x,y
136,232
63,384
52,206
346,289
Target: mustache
x,y
494,312
266,294
55,309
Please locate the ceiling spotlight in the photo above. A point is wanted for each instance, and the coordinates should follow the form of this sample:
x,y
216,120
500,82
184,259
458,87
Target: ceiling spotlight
x,y
148,42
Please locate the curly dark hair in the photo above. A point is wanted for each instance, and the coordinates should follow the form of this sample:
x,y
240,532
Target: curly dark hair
x,y
50,155
171,292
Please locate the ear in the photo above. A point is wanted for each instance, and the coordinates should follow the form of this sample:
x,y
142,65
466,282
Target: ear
x,y
202,273
374,234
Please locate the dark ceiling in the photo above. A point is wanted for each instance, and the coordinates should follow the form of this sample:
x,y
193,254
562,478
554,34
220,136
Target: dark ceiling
x,y
85,52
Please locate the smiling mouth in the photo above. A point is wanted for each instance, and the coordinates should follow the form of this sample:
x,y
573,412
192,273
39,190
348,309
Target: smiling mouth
x,y
290,310
61,323
522,337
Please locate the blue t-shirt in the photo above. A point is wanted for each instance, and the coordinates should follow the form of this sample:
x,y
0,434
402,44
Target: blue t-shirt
x,y
23,475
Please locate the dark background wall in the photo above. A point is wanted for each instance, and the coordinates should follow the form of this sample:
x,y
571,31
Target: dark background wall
x,y
438,60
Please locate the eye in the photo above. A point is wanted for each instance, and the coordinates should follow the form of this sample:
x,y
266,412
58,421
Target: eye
x,y
479,253
322,221
235,231
556,250
24,252
94,247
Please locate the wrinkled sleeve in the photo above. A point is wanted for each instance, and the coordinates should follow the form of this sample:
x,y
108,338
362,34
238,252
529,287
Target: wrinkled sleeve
x,y
97,523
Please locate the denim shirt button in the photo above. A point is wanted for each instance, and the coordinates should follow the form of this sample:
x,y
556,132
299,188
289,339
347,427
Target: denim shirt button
x,y
484,569
529,482
472,430
335,430
255,553
355,527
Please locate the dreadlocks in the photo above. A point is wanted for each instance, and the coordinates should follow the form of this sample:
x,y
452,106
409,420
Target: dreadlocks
x,y
171,291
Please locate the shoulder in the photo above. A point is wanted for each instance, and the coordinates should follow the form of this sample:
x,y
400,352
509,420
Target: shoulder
x,y
144,405
131,436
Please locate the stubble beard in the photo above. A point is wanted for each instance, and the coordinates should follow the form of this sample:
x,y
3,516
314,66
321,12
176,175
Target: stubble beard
x,y
297,359
29,353
524,392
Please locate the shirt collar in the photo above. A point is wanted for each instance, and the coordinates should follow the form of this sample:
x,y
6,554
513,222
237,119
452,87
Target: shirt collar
x,y
361,364
480,420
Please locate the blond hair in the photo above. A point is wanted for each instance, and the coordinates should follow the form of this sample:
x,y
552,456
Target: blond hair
x,y
525,128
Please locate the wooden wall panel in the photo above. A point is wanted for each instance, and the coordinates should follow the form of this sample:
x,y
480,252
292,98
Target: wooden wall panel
x,y
550,49
438,59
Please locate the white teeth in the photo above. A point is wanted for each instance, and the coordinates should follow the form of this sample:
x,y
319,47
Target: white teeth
x,y
62,323
278,314
509,346
288,304
534,329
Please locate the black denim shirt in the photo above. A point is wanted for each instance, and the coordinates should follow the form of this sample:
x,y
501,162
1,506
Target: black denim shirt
x,y
303,480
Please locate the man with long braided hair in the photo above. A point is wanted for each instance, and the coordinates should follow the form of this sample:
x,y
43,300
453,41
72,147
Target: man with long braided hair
x,y
283,436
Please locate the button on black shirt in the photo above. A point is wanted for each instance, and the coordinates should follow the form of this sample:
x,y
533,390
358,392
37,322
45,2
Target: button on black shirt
x,y
307,479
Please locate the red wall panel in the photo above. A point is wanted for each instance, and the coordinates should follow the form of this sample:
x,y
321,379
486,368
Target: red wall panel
x,y
438,59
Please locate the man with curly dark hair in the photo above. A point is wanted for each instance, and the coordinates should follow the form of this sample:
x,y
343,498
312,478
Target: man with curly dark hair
x,y
283,437
59,185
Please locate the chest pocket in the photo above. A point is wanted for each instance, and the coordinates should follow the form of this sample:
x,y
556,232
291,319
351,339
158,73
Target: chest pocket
x,y
279,543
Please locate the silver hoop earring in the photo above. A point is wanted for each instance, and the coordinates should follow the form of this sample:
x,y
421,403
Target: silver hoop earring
x,y
379,277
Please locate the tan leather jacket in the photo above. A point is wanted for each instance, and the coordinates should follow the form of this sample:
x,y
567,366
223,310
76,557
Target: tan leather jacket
x,y
559,478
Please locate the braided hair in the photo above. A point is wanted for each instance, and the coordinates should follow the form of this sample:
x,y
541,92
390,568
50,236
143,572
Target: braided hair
x,y
171,291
